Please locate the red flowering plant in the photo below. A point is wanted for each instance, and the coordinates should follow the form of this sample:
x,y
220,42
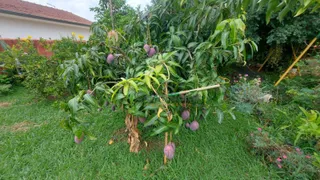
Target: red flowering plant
x,y
290,162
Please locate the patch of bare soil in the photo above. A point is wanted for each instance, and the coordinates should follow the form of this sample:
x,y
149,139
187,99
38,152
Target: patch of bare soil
x,y
20,127
4,104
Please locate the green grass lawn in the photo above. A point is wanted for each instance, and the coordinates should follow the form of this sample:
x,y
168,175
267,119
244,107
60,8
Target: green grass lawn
x,y
34,146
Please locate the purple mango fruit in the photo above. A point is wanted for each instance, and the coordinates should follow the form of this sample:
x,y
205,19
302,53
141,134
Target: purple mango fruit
x,y
194,125
90,92
173,145
110,58
78,140
152,52
185,114
142,119
169,151
146,47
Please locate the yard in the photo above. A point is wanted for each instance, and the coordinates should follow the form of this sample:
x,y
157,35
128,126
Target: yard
x,y
34,146
188,89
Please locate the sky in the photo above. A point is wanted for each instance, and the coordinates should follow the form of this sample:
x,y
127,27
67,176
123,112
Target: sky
x,y
82,7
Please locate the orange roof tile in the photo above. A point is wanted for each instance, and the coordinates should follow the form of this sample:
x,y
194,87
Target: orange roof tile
x,y
19,7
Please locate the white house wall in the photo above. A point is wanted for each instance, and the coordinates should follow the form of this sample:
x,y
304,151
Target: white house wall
x,y
12,27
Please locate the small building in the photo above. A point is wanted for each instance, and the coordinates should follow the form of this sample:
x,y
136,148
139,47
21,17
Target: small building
x,y
20,19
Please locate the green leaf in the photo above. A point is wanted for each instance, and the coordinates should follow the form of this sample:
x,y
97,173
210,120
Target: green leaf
x,y
152,106
286,9
88,98
159,130
176,40
73,105
220,115
272,5
132,83
151,121
235,52
158,69
220,27
155,80
91,136
147,80
125,89
119,96
224,38
262,3
232,115
240,25
192,45
297,138
65,124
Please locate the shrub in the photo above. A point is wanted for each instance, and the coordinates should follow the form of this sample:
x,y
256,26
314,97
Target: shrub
x,y
246,93
5,89
310,125
5,84
302,90
278,38
38,72
290,162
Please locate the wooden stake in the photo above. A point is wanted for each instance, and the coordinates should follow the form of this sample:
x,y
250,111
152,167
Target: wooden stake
x,y
111,13
166,133
267,59
197,89
294,52
165,144
301,55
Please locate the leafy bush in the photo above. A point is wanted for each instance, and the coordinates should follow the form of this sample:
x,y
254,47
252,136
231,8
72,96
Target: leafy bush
x,y
5,79
281,39
310,125
289,161
38,72
5,88
246,93
301,90
5,84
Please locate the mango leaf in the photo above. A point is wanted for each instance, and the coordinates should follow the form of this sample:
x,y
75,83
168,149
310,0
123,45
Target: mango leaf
x,y
271,7
88,98
240,25
155,80
73,105
153,106
158,69
220,115
133,84
65,124
91,136
221,25
262,3
232,115
125,89
147,80
159,130
119,96
192,45
159,111
224,38
284,11
151,121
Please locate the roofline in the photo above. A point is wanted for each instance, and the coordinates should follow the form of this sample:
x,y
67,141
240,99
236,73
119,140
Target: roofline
x,y
42,18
